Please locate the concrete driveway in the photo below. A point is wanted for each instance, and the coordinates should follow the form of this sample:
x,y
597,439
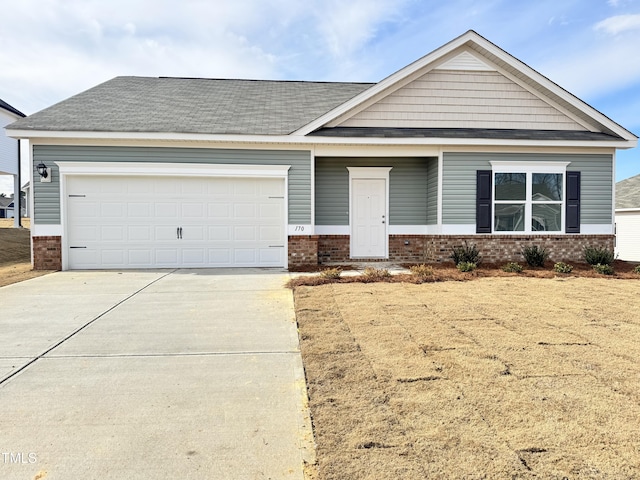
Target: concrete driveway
x,y
185,374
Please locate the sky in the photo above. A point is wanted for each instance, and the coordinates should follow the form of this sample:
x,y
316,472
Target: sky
x,y
53,49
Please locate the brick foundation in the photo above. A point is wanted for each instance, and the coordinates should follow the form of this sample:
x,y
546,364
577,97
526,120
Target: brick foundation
x,y
303,250
47,253
437,248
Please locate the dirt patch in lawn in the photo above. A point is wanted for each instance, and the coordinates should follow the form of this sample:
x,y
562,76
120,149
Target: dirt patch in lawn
x,y
496,378
15,253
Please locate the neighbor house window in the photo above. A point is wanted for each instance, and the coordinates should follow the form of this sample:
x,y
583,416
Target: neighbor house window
x,y
528,198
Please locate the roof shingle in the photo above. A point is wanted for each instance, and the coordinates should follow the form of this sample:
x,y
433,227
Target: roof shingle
x,y
193,105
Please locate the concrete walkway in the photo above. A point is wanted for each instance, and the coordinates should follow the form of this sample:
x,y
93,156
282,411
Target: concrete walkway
x,y
186,374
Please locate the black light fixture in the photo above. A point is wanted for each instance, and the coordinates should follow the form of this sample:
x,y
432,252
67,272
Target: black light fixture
x,y
42,170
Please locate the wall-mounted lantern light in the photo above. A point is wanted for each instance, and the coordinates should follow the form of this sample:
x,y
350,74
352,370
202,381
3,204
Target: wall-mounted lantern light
x,y
44,172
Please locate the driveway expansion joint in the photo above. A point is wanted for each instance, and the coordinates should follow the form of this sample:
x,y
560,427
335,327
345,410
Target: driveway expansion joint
x,y
79,329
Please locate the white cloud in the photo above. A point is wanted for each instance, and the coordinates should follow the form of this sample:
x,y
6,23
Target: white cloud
x,y
619,23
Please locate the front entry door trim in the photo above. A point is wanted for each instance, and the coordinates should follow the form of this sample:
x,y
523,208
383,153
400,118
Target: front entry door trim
x,y
369,173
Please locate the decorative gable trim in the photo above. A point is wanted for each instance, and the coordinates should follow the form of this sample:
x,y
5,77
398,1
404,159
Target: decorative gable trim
x,y
465,61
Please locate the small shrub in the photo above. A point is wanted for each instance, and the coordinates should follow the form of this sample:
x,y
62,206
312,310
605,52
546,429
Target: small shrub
x,y
422,271
373,274
535,256
331,273
466,253
598,255
562,267
512,267
603,269
466,266
637,269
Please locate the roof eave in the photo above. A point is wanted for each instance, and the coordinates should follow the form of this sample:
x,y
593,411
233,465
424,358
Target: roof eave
x,y
36,135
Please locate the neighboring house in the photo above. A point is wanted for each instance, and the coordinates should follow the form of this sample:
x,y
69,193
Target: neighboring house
x,y
465,144
6,207
26,189
628,219
10,150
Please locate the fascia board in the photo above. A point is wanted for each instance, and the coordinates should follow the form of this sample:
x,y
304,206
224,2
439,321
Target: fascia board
x,y
554,88
35,136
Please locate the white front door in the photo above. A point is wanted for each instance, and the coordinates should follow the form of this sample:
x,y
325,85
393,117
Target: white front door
x,y
369,222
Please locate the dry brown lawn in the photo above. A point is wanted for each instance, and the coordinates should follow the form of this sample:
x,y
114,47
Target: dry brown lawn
x,y
15,253
495,378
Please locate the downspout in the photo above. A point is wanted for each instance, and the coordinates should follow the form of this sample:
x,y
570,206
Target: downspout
x,y
17,205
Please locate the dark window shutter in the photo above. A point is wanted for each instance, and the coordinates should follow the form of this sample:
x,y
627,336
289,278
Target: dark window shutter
x,y
572,221
484,217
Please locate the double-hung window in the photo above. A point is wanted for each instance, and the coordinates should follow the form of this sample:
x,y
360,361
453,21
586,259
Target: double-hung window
x,y
528,197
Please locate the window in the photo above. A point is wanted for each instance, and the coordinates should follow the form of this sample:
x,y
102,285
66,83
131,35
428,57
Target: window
x,y
528,198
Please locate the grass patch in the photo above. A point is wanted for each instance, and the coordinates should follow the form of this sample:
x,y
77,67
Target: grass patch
x,y
449,380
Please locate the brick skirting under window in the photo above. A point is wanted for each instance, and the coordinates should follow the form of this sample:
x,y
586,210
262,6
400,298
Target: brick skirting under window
x,y
47,253
437,248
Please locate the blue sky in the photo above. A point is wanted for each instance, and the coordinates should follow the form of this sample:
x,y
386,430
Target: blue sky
x,y
52,49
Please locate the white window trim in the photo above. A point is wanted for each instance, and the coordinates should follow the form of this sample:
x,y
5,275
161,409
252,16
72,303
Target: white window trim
x,y
529,168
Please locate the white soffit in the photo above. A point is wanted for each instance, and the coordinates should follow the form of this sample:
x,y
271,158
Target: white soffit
x,y
465,61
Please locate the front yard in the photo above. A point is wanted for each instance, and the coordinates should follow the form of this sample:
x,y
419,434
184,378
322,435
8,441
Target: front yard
x,y
504,377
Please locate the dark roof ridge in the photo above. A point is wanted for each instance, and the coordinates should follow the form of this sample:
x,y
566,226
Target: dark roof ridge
x,y
324,82
11,109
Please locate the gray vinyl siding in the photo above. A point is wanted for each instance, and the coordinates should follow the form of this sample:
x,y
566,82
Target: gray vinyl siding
x,y
408,186
432,191
459,183
47,195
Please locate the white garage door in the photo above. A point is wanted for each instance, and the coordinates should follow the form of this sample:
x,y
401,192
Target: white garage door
x,y
628,236
146,222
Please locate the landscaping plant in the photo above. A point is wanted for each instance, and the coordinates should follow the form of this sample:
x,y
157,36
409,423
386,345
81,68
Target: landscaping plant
x,y
466,266
331,273
598,255
466,253
603,269
535,256
422,271
561,267
512,267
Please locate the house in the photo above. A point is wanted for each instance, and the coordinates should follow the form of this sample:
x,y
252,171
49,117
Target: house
x,y
628,219
6,207
26,191
10,150
466,143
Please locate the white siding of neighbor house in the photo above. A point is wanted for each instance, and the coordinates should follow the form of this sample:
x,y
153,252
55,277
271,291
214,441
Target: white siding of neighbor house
x,y
628,235
462,99
8,146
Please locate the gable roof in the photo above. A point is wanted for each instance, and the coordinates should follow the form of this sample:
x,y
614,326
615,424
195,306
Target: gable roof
x,y
4,105
193,105
143,107
628,193
471,51
6,202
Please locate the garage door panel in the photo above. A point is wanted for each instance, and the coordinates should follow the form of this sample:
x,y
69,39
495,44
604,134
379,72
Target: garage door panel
x,y
166,210
134,222
112,233
218,210
193,210
139,233
166,257
246,211
270,234
141,210
112,210
82,209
